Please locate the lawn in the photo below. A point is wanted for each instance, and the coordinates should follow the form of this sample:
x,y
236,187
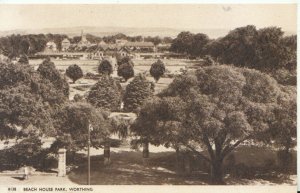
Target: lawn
x,y
173,66
128,168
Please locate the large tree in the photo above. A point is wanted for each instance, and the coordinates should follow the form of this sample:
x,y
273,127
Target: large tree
x,y
28,102
265,49
214,109
75,119
137,91
106,94
48,71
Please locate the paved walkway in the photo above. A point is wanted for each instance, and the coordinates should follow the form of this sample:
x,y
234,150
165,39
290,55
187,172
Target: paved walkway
x,y
35,180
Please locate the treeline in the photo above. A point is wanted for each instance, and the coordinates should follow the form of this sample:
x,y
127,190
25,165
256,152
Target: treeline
x,y
264,49
16,45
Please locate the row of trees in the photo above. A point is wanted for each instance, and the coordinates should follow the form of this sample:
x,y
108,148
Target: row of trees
x,y
265,49
17,45
125,69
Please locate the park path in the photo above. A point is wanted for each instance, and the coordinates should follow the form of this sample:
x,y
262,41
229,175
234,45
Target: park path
x,y
35,180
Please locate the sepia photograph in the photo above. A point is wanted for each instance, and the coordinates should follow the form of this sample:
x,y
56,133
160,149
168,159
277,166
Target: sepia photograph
x,y
180,96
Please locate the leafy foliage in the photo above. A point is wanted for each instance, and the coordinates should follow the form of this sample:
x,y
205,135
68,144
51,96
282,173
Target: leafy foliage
x,y
265,49
105,67
48,71
75,119
189,43
216,108
28,102
74,72
124,60
137,92
126,71
16,45
157,69
106,94
23,59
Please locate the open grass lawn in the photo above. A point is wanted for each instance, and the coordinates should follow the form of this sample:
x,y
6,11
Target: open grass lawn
x,y
83,85
128,168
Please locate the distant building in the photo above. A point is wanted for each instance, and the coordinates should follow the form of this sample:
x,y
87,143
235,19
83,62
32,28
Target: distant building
x,y
83,42
97,55
140,46
163,47
102,46
121,42
65,44
50,47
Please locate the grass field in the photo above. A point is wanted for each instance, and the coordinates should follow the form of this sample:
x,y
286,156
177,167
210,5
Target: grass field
x,y
173,66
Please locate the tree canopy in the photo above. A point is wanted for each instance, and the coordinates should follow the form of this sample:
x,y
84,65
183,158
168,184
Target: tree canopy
x,y
106,94
48,71
28,102
74,72
75,119
137,91
265,49
157,70
216,108
126,71
105,67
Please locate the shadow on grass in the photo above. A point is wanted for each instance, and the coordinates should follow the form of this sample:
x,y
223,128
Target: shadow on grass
x,y
19,178
129,168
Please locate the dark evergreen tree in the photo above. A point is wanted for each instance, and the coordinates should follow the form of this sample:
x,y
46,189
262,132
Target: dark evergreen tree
x,y
137,91
157,70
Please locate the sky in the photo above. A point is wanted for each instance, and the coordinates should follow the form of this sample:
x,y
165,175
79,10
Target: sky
x,y
197,16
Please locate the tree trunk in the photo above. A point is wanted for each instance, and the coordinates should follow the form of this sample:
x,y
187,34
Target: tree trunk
x,y
217,172
187,165
106,154
145,153
179,162
146,150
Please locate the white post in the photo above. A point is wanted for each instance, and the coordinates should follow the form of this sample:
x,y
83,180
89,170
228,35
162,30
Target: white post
x,y
62,162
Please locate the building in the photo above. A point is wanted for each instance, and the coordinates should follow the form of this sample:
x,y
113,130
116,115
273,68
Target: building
x,y
121,42
65,44
50,47
83,42
102,46
98,55
140,46
163,47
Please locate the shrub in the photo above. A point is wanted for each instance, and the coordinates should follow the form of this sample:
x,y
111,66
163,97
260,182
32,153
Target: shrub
x,y
74,72
124,60
157,70
23,59
208,61
126,71
105,67
243,171
285,159
27,152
